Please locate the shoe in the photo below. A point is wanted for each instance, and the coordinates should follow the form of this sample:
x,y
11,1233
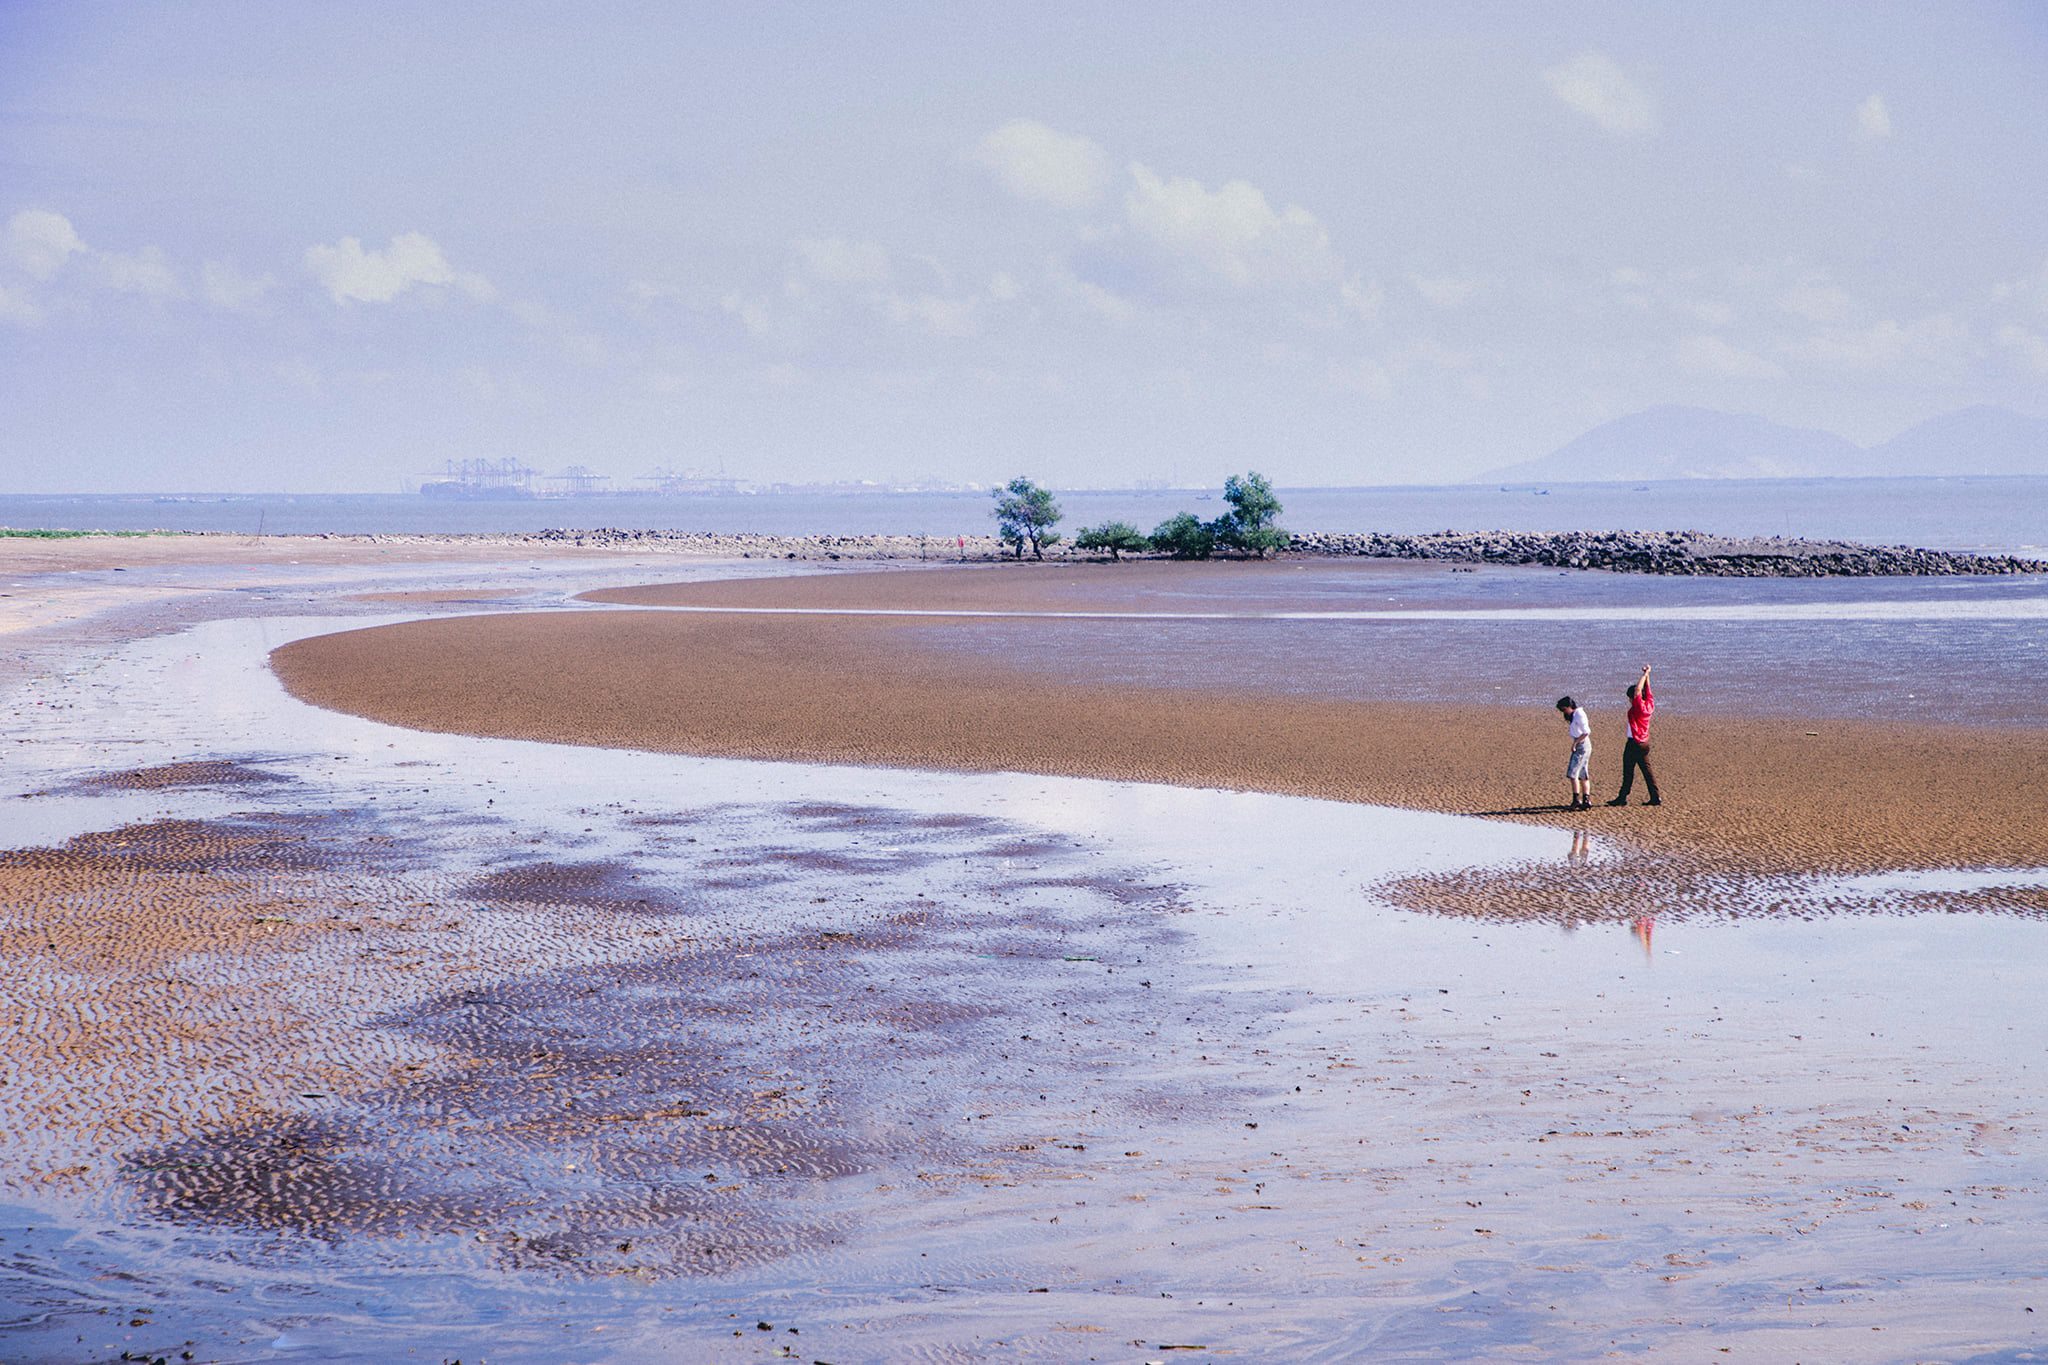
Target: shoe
x,y
1654,801
1619,801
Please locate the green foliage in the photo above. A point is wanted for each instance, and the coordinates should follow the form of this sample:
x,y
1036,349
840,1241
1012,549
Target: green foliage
x,y
1248,526
1185,537
1259,541
1025,515
1117,537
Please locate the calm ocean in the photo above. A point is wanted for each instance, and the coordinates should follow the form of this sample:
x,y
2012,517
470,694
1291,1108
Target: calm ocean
x,y
1980,514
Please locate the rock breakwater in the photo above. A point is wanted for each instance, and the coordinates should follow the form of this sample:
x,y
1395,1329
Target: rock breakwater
x,y
1691,553
1669,552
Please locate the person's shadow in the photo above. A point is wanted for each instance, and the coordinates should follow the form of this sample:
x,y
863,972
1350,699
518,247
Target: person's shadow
x,y
1525,810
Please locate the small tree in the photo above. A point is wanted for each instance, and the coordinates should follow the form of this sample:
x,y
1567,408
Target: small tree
x,y
1025,515
1113,536
1249,524
1184,537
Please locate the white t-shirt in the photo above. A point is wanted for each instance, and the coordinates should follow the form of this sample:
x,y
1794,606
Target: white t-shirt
x,y
1582,729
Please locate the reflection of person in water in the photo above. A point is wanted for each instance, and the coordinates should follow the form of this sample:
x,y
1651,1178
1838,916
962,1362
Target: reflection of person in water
x,y
1643,928
1582,847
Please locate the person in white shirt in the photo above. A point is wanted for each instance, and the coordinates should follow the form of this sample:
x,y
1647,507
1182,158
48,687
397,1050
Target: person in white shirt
x,y
1578,767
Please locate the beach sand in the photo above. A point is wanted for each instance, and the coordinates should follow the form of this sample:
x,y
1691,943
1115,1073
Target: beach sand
x,y
62,581
402,1043
1744,795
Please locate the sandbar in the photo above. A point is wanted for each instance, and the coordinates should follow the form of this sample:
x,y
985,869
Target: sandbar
x,y
1834,794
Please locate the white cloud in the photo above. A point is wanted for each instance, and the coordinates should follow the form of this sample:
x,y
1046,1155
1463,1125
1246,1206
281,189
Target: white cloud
x,y
17,308
1873,120
2031,348
1362,375
298,374
225,287
1363,297
1003,287
146,273
1711,355
1106,304
1817,300
1936,341
834,260
576,344
1230,233
940,316
478,382
1631,287
1593,85
1446,291
644,293
1711,312
1876,347
40,241
1438,356
349,273
1044,165
753,314
825,279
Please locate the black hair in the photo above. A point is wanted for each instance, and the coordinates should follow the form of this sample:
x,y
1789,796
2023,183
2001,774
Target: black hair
x,y
1567,704
1632,691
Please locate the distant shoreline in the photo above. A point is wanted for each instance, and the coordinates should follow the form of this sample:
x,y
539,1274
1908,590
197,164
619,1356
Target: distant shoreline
x,y
1683,553
1678,553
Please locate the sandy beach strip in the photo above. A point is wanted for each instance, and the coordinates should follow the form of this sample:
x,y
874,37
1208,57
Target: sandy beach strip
x,y
1833,795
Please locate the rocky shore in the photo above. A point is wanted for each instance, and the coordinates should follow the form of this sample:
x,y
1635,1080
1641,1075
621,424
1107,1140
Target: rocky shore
x,y
1669,552
1692,553
1662,552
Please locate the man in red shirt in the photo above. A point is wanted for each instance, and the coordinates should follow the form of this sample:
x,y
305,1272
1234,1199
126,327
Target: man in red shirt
x,y
1635,752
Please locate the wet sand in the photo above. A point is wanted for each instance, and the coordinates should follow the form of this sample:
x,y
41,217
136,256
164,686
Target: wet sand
x,y
55,582
1756,797
340,1040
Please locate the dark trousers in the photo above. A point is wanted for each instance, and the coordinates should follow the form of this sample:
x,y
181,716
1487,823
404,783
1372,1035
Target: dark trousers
x,y
1636,755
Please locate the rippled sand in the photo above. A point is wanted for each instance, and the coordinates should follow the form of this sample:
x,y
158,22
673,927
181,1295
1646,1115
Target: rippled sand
x,y
334,1039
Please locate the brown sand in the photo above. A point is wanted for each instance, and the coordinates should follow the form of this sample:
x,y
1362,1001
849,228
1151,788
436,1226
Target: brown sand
x,y
132,953
273,1021
294,1022
1851,796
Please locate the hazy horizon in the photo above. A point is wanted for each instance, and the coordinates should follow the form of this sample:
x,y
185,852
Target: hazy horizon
x,y
249,248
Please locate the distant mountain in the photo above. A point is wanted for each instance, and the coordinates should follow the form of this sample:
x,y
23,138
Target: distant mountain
x,y
1673,442
1979,440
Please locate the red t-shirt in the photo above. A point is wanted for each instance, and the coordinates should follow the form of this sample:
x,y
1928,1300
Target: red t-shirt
x,y
1639,711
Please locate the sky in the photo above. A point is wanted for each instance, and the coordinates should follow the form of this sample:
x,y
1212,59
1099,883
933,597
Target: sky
x,y
326,248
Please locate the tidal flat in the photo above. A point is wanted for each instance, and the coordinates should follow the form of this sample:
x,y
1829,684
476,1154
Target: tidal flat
x,y
335,1039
